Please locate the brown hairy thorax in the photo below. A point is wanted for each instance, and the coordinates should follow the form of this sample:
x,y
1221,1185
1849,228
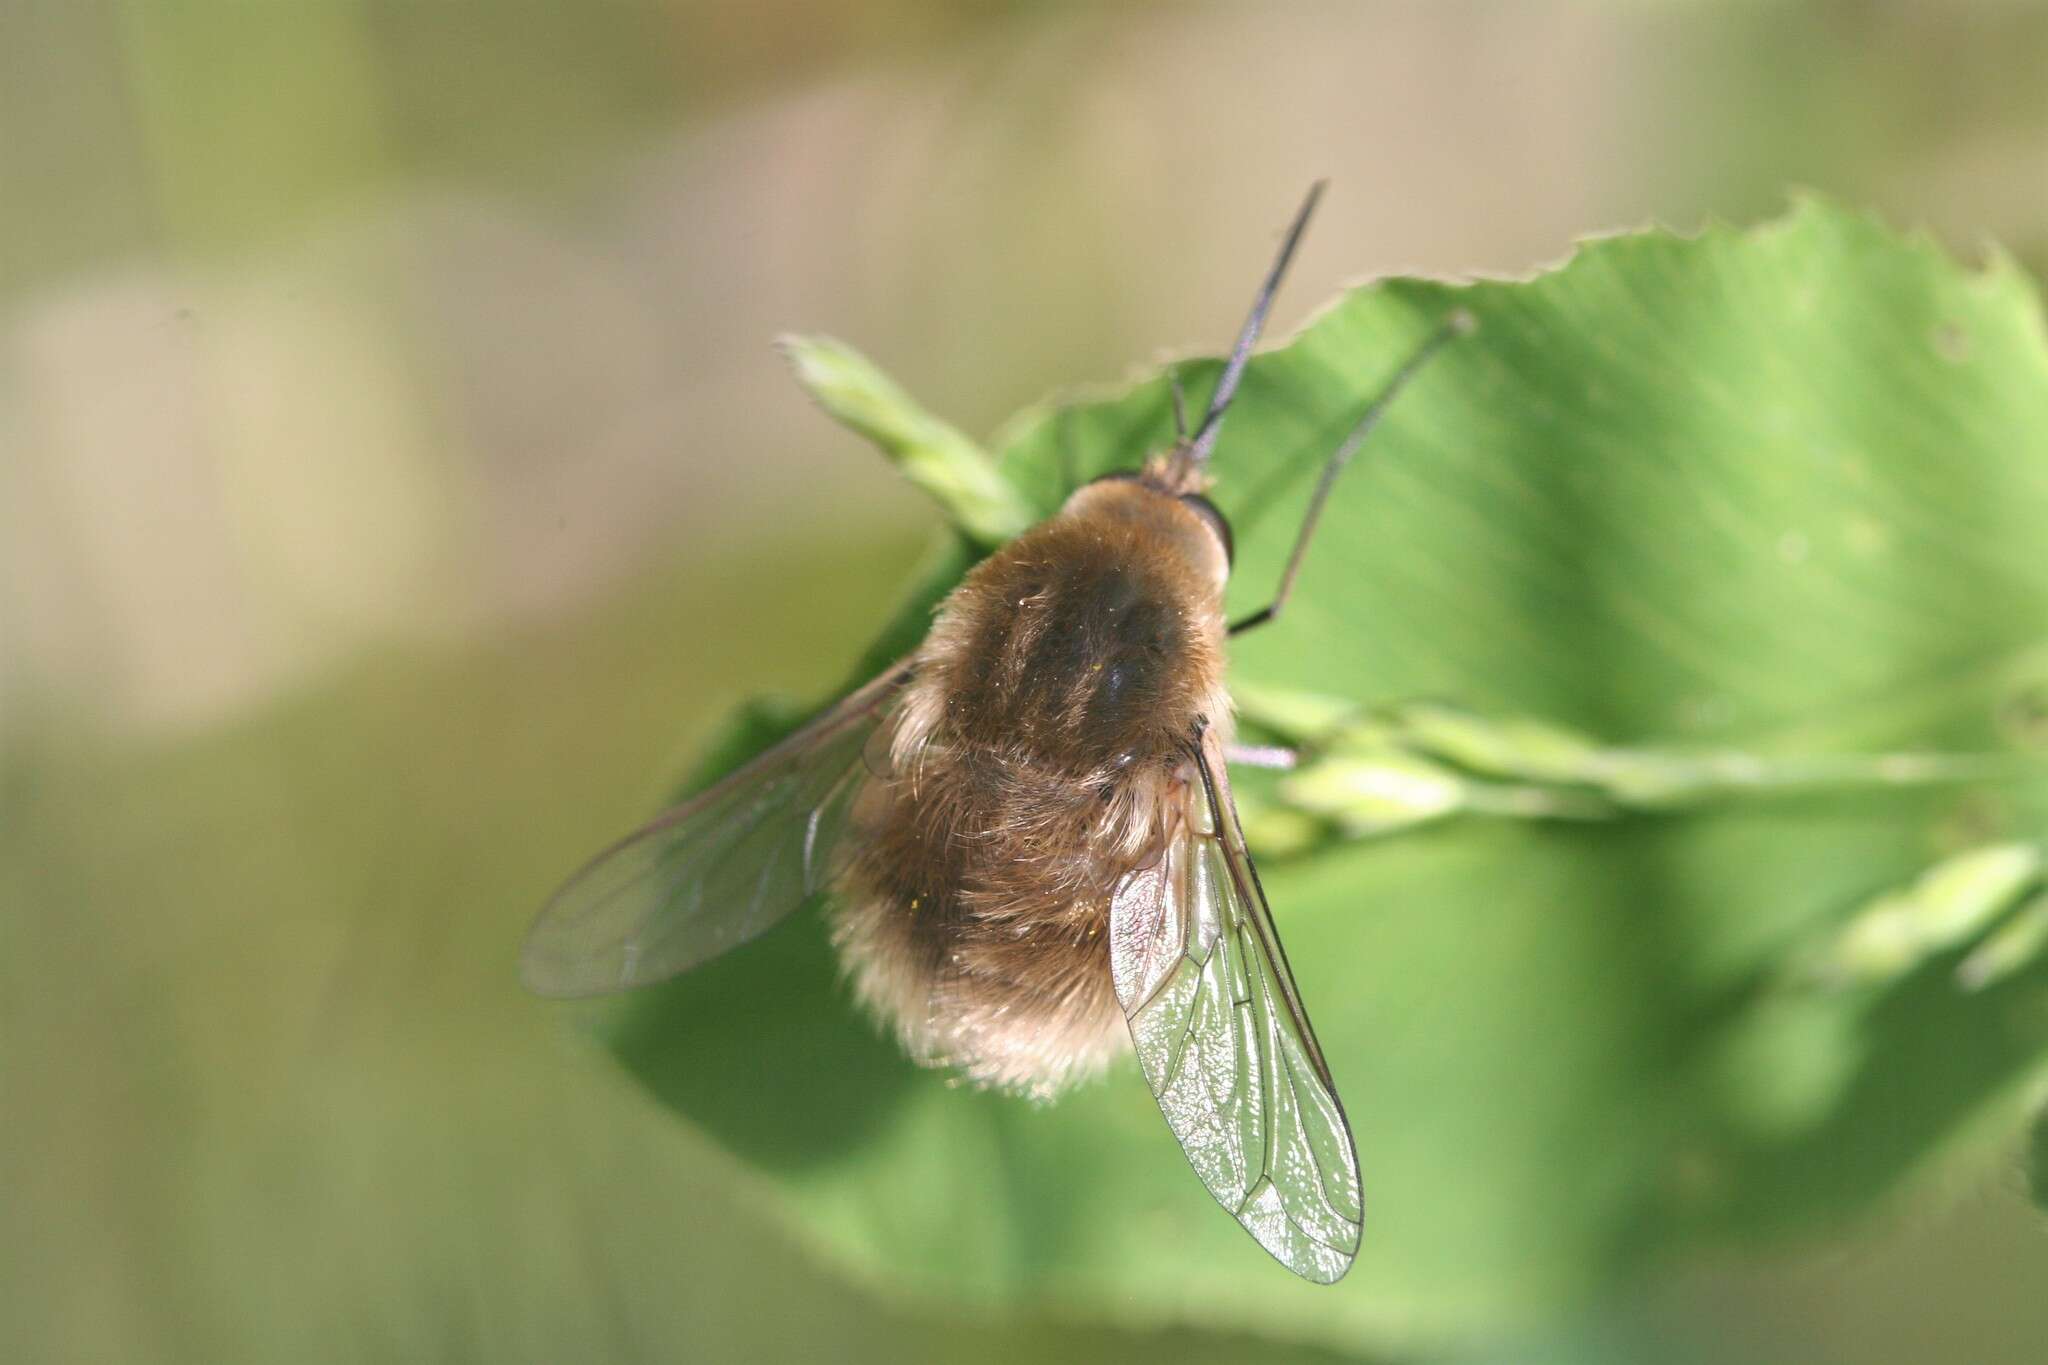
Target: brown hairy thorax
x,y
1038,754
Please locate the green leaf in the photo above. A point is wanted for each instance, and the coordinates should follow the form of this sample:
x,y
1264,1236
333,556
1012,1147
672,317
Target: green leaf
x,y
932,454
2037,1160
1778,492
1950,904
2008,948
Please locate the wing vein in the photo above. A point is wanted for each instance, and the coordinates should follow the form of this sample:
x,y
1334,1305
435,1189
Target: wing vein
x,y
715,871
1282,1161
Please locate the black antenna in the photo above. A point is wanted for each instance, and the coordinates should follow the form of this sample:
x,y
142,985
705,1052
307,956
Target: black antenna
x,y
1226,387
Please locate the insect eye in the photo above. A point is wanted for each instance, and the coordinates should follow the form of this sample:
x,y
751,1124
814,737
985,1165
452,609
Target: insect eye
x,y
1216,521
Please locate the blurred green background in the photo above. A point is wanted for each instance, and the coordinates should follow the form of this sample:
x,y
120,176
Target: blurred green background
x,y
396,484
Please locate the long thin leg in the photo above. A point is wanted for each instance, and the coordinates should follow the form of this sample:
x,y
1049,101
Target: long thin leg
x,y
1456,325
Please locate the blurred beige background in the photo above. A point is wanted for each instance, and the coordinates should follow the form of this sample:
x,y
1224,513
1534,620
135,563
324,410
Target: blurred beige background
x,y
395,475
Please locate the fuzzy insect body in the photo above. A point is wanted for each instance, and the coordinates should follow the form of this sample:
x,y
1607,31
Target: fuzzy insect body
x,y
1028,829
1037,757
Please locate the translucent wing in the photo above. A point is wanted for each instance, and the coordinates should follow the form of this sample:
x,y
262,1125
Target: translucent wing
x,y
717,870
1224,1043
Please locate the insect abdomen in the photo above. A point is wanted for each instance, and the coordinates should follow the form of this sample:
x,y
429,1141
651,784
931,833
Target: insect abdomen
x,y
985,953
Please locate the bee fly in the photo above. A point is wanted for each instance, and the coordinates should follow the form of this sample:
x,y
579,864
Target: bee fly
x,y
1029,830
